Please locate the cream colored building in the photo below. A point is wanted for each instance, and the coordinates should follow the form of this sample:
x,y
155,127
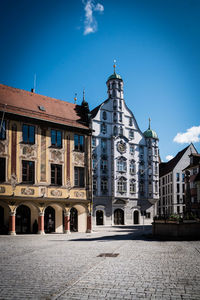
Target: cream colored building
x,y
45,164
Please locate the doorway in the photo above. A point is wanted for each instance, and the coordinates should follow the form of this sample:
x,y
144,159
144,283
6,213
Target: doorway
x,y
49,220
73,219
99,217
136,217
23,219
119,217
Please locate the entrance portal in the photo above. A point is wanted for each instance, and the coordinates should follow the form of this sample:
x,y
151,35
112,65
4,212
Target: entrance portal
x,y
73,219
23,219
49,220
136,217
119,217
99,217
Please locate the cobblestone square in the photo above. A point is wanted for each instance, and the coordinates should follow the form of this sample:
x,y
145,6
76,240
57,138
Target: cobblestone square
x,y
58,266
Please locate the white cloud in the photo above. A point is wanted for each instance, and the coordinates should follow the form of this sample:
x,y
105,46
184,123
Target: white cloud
x,y
169,157
90,23
192,135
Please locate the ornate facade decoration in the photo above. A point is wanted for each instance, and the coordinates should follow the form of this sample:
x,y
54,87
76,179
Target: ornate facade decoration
x,y
2,189
79,194
56,193
2,148
56,155
78,159
121,147
27,191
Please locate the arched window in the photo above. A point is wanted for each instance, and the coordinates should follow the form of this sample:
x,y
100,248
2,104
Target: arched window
x,y
121,164
115,117
103,128
115,104
132,167
104,115
115,131
122,185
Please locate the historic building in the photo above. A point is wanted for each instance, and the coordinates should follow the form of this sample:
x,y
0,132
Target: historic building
x,y
192,174
45,164
172,183
125,163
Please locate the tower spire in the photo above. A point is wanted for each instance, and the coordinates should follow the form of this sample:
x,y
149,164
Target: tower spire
x,y
149,123
83,95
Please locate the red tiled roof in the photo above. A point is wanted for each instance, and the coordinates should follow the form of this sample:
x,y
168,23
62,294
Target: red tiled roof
x,y
25,103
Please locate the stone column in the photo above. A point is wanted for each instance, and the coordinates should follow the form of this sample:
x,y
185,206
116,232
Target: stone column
x,y
12,223
41,223
89,223
67,222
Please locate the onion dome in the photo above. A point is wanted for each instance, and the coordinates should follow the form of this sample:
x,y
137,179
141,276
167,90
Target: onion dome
x,y
149,133
114,75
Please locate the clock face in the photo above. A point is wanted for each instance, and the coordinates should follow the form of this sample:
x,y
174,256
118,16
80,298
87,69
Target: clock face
x,y
121,147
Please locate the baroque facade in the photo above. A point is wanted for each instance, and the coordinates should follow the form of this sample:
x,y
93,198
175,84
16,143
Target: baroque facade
x,y
45,163
125,163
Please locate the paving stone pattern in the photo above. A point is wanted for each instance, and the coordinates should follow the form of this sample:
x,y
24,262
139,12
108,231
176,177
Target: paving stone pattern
x,y
69,267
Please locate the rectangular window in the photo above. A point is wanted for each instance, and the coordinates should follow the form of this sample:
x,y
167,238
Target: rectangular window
x,y
131,134
94,183
56,138
130,121
104,185
2,169
132,149
93,142
104,165
178,199
79,180
28,171
78,142
3,131
120,117
103,146
183,177
28,134
177,188
177,177
183,188
56,174
132,187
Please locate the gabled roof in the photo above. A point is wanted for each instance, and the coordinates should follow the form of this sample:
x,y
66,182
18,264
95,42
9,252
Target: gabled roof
x,y
29,104
96,109
165,168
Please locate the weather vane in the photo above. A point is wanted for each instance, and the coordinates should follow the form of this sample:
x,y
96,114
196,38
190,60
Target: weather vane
x,y
114,66
75,98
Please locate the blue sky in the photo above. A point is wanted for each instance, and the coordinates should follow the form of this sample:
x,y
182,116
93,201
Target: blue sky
x,y
71,45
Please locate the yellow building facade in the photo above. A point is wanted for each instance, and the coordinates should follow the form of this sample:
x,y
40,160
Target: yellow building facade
x,y
45,164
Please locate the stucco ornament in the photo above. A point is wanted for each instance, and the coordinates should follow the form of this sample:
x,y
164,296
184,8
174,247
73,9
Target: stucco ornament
x,y
13,181
78,194
56,193
28,151
56,155
121,147
27,191
2,148
79,159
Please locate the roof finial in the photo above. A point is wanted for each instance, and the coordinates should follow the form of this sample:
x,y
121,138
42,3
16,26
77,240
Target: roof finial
x,y
149,123
83,95
75,98
114,66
